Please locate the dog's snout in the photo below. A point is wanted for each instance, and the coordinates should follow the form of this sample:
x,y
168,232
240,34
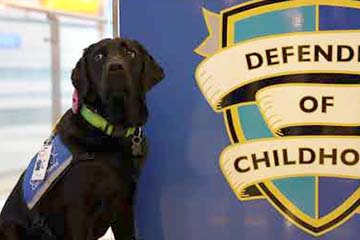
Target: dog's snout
x,y
116,67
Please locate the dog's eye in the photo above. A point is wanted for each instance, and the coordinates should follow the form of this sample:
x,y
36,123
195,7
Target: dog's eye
x,y
131,53
99,56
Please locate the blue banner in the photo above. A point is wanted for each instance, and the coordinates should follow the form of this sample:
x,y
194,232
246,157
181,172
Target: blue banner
x,y
253,133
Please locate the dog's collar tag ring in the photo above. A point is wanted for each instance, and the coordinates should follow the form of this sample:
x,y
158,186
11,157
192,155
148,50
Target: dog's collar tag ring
x,y
137,141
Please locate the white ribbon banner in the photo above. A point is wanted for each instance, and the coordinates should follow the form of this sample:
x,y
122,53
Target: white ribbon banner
x,y
262,58
247,164
301,105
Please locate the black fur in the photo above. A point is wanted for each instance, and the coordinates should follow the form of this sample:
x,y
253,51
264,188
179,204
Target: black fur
x,y
98,189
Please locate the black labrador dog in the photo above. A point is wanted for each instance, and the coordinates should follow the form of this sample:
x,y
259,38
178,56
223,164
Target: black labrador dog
x,y
97,190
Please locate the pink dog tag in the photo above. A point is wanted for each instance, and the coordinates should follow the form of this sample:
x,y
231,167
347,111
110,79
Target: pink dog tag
x,y
75,102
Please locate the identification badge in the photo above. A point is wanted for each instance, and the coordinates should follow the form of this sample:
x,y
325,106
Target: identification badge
x,y
41,163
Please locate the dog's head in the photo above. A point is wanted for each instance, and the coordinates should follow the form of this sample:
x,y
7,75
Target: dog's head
x,y
113,76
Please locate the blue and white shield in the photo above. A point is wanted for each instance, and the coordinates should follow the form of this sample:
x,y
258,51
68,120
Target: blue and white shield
x,y
286,76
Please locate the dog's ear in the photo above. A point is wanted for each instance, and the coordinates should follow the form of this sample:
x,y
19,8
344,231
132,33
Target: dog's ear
x,y
153,73
79,76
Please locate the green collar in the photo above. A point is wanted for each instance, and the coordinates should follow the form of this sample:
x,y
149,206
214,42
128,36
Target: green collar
x,y
101,123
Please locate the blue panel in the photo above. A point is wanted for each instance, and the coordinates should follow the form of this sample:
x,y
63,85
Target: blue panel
x,y
284,21
301,194
176,170
328,201
253,123
182,192
339,18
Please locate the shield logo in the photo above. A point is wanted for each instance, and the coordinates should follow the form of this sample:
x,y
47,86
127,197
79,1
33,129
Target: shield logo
x,y
286,77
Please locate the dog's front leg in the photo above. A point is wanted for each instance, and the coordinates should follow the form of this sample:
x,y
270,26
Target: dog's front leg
x,y
11,232
123,224
79,225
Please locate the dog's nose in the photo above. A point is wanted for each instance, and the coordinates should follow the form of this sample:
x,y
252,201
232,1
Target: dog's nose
x,y
115,67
